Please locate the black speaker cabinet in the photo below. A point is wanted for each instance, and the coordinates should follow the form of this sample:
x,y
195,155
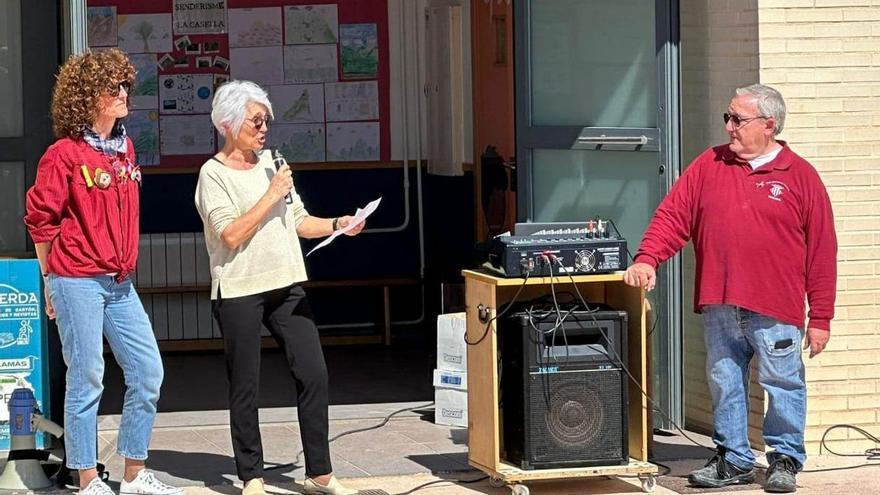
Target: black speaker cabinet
x,y
563,390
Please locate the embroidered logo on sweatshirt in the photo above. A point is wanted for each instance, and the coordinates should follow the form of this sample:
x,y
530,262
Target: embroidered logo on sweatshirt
x,y
777,188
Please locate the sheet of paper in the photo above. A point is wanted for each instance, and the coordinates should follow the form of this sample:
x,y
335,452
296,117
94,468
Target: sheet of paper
x,y
199,17
260,64
352,101
144,95
144,33
308,24
359,216
310,64
298,103
255,27
186,93
186,135
299,143
359,45
102,26
353,141
142,127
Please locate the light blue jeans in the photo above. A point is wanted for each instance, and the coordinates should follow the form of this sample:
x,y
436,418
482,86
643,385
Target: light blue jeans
x,y
733,335
88,309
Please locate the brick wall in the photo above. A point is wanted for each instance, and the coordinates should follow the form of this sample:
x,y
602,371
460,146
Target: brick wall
x,y
719,52
824,56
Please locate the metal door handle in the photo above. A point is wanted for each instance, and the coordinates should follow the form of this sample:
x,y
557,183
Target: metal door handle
x,y
618,140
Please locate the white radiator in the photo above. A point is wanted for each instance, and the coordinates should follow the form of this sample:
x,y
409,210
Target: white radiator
x,y
170,262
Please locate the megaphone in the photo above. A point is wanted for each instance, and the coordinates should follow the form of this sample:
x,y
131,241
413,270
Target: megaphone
x,y
23,470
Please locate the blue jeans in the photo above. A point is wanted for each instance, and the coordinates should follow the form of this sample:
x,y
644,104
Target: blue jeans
x,y
733,335
88,309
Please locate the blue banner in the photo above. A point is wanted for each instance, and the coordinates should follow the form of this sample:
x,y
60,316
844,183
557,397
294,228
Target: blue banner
x,y
23,340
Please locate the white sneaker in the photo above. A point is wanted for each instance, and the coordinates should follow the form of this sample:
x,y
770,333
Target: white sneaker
x,y
146,483
96,487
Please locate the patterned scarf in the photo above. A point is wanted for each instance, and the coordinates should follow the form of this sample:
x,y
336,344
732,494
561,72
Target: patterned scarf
x,y
113,145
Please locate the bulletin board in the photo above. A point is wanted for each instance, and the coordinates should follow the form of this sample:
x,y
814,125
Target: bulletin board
x,y
324,64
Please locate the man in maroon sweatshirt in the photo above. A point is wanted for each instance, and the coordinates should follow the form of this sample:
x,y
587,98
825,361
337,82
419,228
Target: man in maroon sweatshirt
x,y
763,232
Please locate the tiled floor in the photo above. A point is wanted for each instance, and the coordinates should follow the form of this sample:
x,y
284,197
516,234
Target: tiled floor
x,y
199,455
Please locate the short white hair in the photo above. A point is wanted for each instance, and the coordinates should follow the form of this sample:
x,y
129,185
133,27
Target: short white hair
x,y
770,103
230,105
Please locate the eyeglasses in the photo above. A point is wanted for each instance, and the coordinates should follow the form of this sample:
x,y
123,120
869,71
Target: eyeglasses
x,y
123,85
737,120
259,121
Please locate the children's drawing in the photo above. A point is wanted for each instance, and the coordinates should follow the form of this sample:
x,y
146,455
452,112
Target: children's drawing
x,y
359,50
142,126
297,103
308,24
186,135
186,93
310,64
299,143
352,101
145,33
145,92
255,27
260,64
353,141
102,26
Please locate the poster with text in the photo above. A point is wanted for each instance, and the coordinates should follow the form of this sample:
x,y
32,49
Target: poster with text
x,y
199,16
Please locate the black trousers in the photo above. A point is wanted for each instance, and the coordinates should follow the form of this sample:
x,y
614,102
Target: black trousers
x,y
288,316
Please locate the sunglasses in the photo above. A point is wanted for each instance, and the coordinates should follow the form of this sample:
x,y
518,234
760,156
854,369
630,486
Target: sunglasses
x,y
259,121
124,85
737,120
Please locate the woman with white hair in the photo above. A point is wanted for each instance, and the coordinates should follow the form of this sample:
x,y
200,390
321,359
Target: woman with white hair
x,y
252,234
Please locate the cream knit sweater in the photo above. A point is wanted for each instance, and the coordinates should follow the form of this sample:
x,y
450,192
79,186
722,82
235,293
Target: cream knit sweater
x,y
272,258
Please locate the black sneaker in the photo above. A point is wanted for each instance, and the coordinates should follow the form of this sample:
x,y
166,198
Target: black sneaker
x,y
781,474
718,472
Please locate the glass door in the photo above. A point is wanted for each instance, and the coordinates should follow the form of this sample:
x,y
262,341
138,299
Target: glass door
x,y
596,130
28,62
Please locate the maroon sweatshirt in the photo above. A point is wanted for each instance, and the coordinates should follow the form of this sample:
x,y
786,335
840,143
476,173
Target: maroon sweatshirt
x,y
763,238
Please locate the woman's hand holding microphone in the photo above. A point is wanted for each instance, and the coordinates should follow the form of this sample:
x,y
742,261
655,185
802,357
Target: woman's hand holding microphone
x,y
281,184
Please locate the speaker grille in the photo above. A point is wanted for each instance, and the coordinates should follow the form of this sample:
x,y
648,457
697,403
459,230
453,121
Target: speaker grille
x,y
576,415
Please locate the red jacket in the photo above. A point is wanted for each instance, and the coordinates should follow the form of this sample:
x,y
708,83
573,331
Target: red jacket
x,y
91,215
763,238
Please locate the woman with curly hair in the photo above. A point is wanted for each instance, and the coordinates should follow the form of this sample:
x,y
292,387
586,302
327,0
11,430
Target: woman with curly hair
x,y
82,213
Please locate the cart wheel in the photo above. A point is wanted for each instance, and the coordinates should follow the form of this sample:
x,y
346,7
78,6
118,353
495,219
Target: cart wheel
x,y
496,482
648,483
519,490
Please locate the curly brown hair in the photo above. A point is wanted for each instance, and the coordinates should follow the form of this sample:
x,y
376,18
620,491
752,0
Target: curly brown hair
x,y
81,81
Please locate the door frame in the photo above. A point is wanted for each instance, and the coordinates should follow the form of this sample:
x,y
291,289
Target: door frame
x,y
668,384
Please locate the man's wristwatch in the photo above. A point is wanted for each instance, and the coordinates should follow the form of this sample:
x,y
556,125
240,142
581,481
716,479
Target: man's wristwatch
x,y
335,224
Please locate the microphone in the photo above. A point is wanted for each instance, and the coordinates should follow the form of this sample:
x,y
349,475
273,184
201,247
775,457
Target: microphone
x,y
279,161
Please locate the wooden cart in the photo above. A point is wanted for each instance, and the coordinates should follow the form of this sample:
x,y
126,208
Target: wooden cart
x,y
485,294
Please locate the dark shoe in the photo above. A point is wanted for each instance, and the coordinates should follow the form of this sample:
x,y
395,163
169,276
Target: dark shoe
x,y
718,472
781,475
